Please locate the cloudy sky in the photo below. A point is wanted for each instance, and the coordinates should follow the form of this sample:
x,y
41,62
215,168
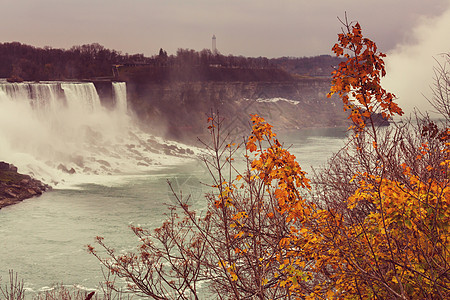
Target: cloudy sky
x,y
243,27
412,32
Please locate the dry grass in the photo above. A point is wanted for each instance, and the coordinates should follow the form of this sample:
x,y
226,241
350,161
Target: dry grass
x,y
14,290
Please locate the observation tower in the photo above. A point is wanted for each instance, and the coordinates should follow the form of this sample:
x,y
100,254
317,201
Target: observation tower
x,y
214,49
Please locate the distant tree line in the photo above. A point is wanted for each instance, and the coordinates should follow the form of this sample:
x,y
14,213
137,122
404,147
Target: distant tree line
x,y
24,62
321,65
206,57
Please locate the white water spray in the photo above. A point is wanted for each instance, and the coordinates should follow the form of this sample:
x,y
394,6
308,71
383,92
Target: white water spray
x,y
56,131
410,65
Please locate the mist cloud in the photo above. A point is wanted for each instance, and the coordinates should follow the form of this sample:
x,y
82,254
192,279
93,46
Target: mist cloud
x,y
410,64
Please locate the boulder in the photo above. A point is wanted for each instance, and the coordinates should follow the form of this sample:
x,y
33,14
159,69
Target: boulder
x,y
15,187
64,169
4,166
7,167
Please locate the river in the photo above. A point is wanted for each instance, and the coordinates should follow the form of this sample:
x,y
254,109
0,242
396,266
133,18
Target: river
x,y
44,239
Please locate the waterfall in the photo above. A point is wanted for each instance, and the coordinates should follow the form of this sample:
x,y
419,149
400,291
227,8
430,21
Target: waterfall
x,y
120,96
46,96
81,96
16,90
57,130
42,96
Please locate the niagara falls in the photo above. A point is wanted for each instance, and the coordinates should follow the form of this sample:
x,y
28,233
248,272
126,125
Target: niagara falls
x,y
224,150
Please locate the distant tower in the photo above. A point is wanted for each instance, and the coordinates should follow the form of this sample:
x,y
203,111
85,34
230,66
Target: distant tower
x,y
214,49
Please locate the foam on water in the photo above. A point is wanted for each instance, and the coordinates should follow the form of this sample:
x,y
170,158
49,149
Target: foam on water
x,y
45,238
59,132
277,99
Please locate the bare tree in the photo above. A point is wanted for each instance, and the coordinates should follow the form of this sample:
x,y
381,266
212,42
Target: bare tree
x,y
231,250
441,88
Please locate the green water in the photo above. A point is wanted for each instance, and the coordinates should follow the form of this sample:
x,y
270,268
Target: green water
x,y
44,239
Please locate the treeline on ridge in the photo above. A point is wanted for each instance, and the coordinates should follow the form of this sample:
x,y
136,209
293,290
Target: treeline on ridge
x,y
25,62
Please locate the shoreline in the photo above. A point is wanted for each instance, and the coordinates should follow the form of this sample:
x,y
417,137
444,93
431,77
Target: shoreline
x,y
16,187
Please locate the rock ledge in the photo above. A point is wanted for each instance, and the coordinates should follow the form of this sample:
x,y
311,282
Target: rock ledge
x,y
15,187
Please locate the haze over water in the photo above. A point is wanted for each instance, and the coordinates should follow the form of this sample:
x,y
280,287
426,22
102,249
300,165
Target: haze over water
x,y
65,129
119,179
45,237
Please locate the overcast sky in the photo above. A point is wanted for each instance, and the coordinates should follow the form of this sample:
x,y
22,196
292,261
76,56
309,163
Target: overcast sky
x,y
270,28
411,32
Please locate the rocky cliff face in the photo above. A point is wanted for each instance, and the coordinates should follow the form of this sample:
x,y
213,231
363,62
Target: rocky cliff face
x,y
179,109
15,187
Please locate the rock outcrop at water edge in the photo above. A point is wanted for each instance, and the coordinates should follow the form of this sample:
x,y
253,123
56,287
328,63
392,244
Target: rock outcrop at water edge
x,y
16,187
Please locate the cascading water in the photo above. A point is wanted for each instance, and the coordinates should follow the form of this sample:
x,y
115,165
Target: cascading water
x,y
120,96
46,133
57,130
104,171
81,96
